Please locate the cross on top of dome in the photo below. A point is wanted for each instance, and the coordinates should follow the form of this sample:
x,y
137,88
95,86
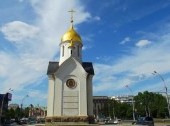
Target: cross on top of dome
x,y
72,11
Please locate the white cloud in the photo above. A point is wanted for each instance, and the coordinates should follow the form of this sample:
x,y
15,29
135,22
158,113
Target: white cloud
x,y
38,42
134,68
37,94
18,31
104,58
18,73
97,18
143,43
125,40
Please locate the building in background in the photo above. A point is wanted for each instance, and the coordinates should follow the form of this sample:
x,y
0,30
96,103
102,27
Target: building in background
x,y
37,112
100,106
4,100
13,106
123,98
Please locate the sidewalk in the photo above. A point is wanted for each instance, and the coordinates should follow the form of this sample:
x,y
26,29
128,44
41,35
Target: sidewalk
x,y
130,124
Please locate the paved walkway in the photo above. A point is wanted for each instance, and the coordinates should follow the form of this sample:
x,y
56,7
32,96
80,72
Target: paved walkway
x,y
123,124
129,124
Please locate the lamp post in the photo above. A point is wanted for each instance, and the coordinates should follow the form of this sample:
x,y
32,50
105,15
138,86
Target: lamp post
x,y
166,90
23,102
2,104
133,105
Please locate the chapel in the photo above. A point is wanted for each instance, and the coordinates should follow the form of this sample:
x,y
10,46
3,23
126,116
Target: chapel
x,y
70,92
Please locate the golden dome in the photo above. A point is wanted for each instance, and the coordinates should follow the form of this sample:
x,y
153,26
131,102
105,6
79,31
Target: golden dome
x,y
71,35
71,44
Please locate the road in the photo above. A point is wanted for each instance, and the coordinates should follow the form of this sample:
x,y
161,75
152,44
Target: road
x,y
129,124
123,124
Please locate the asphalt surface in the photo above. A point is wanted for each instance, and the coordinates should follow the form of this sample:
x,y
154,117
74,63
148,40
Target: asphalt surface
x,y
123,124
129,124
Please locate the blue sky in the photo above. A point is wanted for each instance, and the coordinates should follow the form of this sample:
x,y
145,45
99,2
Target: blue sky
x,y
125,39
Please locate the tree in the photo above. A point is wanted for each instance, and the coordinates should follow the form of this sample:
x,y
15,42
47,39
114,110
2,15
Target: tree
x,y
26,112
113,107
120,110
17,112
151,104
124,109
146,103
10,114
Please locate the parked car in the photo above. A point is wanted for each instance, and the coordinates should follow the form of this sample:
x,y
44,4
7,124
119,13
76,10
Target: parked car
x,y
117,121
24,120
10,123
147,121
107,119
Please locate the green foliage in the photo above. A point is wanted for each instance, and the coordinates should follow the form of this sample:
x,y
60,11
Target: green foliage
x,y
146,103
120,110
149,103
17,113
10,114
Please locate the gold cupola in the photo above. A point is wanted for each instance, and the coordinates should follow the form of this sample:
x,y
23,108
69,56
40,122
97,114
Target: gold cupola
x,y
71,35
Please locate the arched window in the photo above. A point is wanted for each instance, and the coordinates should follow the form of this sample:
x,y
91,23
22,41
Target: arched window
x,y
78,51
63,51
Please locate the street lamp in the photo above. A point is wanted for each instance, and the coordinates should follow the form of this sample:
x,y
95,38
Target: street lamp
x,y
2,103
133,105
23,101
166,90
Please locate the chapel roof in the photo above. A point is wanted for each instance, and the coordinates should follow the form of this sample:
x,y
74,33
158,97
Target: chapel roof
x,y
71,36
54,66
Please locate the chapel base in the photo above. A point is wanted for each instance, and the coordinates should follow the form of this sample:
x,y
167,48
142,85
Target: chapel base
x,y
80,120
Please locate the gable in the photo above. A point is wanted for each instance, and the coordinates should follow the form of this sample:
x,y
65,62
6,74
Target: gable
x,y
54,66
71,67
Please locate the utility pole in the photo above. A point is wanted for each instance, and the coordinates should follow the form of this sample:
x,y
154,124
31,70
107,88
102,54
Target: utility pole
x,y
133,105
166,90
23,102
